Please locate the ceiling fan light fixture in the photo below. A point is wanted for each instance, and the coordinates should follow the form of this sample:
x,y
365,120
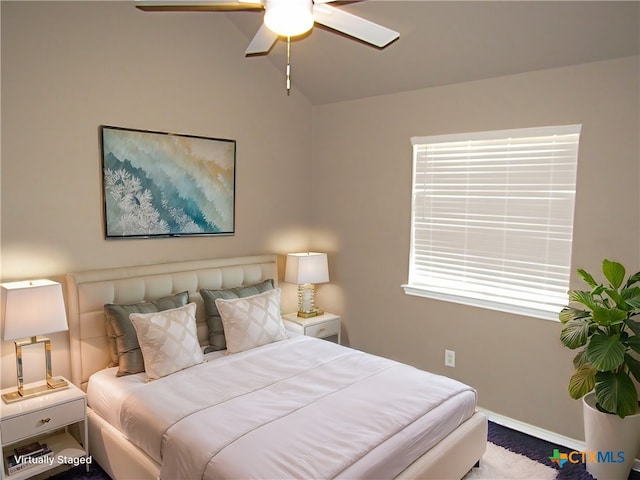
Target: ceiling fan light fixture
x,y
289,17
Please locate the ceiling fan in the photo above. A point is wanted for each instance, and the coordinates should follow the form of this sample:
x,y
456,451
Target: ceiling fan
x,y
287,18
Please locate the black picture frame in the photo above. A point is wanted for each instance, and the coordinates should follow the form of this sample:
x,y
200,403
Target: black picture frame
x,y
159,184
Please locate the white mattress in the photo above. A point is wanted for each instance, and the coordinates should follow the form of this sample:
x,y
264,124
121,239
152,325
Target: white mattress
x,y
291,383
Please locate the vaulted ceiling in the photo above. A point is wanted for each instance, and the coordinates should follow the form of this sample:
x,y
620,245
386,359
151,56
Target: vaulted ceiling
x,y
446,42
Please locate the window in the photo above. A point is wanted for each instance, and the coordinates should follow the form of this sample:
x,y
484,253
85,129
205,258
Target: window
x,y
492,218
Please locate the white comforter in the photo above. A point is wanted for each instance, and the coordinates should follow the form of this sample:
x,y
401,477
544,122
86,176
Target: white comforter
x,y
299,408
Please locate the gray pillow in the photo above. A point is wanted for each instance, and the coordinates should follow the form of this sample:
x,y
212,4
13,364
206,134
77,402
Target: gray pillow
x,y
214,322
123,341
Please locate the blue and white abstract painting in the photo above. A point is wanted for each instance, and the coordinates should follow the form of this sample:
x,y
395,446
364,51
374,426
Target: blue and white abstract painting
x,y
159,184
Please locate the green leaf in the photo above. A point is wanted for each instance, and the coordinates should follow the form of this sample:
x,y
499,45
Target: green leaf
x,y
575,333
635,278
614,272
580,360
570,313
565,315
616,393
633,343
633,325
631,296
605,353
617,298
633,364
582,381
585,298
608,316
587,277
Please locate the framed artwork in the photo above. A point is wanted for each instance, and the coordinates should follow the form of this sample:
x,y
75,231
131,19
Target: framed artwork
x,y
159,184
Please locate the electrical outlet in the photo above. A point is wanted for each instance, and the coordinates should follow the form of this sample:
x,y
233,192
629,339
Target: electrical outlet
x,y
449,358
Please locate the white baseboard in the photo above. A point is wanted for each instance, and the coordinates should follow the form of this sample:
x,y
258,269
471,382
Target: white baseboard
x,y
538,432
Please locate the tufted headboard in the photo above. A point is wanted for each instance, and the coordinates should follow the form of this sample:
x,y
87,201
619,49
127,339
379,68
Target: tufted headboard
x,y
88,292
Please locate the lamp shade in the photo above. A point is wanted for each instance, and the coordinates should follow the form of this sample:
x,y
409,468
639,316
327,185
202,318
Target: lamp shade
x,y
289,17
305,268
34,307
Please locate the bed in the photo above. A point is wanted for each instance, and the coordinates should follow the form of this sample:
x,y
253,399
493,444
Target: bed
x,y
297,407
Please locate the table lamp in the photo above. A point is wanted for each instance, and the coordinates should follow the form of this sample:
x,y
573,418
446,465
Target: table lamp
x,y
305,270
33,308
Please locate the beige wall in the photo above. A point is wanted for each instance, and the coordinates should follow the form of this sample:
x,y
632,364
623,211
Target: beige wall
x,y
68,67
361,206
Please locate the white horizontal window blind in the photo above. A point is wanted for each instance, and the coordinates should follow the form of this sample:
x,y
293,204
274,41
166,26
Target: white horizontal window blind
x,y
492,218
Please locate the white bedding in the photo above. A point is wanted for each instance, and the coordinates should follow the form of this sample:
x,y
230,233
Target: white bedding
x,y
106,392
298,408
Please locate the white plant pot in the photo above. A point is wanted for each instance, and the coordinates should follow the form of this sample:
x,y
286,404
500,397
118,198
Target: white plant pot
x,y
614,440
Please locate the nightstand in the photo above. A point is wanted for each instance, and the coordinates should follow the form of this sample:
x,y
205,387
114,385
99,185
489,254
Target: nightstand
x,y
325,326
45,419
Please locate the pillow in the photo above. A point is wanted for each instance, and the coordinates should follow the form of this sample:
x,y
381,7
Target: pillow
x,y
123,343
168,340
251,321
216,331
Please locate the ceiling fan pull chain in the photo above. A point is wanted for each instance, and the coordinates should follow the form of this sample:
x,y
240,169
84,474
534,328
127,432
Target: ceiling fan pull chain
x,y
288,65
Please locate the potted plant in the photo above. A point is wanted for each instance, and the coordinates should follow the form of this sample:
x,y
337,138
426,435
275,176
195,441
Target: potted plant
x,y
600,322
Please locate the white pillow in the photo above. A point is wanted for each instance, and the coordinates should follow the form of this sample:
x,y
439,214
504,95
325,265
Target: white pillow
x,y
252,321
168,340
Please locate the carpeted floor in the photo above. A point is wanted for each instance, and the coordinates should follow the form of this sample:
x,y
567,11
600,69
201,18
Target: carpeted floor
x,y
498,463
540,451
80,473
517,442
536,449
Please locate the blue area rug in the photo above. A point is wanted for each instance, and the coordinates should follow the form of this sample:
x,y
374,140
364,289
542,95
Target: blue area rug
x,y
540,451
80,473
517,442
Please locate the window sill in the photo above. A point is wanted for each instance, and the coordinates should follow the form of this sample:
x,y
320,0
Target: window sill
x,y
482,303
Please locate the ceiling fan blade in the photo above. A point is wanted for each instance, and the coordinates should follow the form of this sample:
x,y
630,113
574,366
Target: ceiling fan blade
x,y
198,5
353,25
262,41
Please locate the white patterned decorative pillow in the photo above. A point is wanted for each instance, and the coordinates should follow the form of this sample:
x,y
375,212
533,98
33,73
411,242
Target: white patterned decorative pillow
x,y
168,340
251,321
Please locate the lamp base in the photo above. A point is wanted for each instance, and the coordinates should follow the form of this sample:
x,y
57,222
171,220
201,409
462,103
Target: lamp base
x,y
307,301
315,313
57,383
54,384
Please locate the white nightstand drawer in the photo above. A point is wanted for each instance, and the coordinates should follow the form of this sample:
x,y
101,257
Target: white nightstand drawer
x,y
322,330
326,326
40,421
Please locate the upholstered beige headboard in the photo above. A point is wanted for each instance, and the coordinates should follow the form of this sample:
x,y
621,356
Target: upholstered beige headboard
x,y
88,292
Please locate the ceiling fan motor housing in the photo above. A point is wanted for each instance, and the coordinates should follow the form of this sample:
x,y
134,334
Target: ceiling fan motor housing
x,y
289,18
